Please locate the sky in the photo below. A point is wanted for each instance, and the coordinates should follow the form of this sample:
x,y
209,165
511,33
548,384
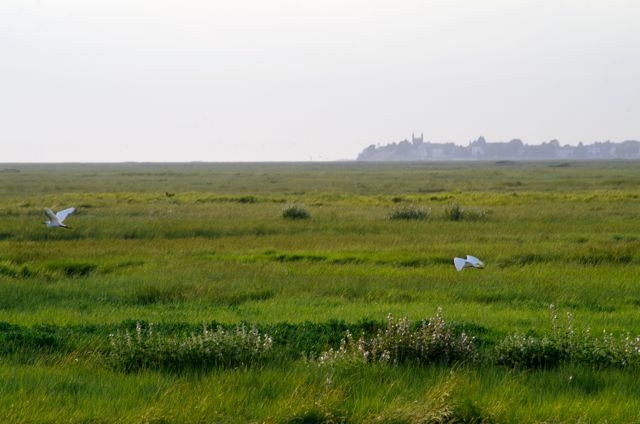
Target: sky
x,y
309,80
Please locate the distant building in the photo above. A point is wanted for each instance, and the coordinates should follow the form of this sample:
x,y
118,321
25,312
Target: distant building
x,y
419,150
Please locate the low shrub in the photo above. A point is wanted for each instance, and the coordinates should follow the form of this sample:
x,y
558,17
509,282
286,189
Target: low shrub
x,y
566,344
295,212
431,341
408,213
454,212
220,348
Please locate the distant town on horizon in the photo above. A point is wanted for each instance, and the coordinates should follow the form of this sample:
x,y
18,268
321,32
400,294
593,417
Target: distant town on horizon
x,y
417,149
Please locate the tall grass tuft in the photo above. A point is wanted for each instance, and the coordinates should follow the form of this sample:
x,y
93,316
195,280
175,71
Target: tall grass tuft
x,y
455,212
11,269
432,341
220,348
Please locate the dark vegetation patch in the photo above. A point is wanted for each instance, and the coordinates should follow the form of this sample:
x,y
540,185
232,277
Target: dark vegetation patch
x,y
616,182
590,305
344,260
295,212
528,259
625,238
201,232
411,262
247,199
174,294
591,258
151,294
24,297
24,342
297,257
414,262
73,268
138,234
605,257
317,415
206,233
236,299
441,198
431,189
518,300
62,268
587,383
122,265
262,230
419,262
398,296
62,234
14,270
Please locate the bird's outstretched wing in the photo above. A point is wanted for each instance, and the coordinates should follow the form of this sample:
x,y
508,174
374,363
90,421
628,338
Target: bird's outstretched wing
x,y
63,214
460,263
475,262
470,262
52,217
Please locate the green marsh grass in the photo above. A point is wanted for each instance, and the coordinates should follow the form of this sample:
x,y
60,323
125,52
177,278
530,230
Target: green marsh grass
x,y
72,392
218,251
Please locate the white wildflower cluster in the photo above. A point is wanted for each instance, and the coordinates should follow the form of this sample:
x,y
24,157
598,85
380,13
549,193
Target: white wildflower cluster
x,y
212,348
567,344
430,341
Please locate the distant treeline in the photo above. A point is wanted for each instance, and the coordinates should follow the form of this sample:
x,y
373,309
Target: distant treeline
x,y
419,150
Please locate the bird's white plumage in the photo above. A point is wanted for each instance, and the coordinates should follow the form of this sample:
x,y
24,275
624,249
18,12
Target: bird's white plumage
x,y
63,214
57,219
475,262
469,262
52,216
460,263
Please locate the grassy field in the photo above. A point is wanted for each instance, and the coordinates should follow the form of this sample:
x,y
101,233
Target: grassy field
x,y
175,248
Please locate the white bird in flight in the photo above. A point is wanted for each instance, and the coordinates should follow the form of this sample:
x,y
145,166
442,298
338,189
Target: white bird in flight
x,y
57,219
470,262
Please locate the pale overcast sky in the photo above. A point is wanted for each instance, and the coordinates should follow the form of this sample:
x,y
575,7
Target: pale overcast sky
x,y
266,80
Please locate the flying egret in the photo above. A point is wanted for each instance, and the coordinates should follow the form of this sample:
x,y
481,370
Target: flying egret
x,y
57,219
470,262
